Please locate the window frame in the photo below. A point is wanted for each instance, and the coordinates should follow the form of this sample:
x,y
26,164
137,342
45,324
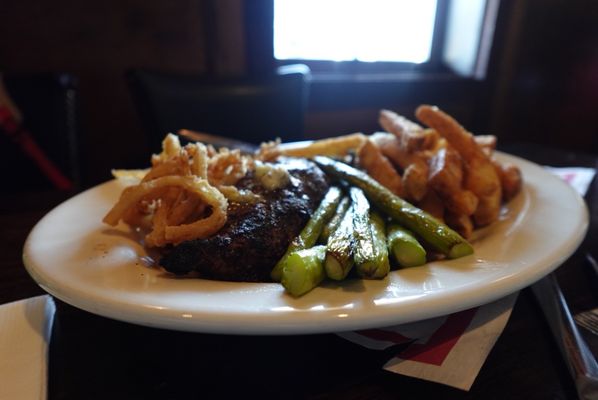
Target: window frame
x,y
356,84
335,70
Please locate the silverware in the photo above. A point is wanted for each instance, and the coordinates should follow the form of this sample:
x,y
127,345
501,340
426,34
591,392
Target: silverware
x,y
580,361
589,319
218,141
592,262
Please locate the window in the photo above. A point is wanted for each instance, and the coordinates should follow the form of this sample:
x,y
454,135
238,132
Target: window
x,y
354,30
352,37
371,53
384,36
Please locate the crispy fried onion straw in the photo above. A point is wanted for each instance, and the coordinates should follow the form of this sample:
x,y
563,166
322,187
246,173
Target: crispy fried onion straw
x,y
184,195
165,192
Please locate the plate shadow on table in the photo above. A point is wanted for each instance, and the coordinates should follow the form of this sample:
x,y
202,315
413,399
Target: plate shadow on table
x,y
94,357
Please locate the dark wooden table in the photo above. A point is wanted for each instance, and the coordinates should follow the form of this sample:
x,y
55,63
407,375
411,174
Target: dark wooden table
x,y
100,358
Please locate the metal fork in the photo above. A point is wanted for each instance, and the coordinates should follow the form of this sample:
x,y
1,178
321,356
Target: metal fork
x,y
580,361
589,319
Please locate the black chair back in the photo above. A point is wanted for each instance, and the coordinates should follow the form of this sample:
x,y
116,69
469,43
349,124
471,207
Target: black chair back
x,y
248,109
42,151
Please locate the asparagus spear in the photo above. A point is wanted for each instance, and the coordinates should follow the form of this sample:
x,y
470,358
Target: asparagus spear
x,y
404,247
304,270
312,230
435,233
340,248
335,220
370,252
361,226
379,266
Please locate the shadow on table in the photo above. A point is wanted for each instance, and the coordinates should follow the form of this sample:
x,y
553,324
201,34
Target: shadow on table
x,y
93,357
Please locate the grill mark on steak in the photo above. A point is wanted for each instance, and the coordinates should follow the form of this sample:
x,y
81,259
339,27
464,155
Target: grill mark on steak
x,y
255,236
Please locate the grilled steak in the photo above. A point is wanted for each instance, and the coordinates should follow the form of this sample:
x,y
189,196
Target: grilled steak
x,y
255,235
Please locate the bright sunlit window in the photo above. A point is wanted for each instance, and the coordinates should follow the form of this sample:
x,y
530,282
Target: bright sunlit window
x,y
349,30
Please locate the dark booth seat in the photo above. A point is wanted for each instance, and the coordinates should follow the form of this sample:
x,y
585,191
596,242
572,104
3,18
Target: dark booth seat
x,y
249,109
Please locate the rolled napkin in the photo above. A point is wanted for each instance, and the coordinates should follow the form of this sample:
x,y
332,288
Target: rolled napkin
x,y
452,349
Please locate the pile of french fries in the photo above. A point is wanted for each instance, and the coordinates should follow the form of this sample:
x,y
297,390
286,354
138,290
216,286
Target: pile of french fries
x,y
441,168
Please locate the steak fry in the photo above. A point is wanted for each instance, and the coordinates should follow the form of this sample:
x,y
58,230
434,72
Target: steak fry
x,y
459,222
413,164
412,137
486,142
433,205
510,179
415,181
446,178
480,177
370,158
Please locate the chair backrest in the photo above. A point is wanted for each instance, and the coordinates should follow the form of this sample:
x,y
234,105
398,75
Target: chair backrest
x,y
248,109
46,142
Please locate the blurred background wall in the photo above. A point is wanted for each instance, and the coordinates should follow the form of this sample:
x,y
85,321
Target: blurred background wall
x,y
541,86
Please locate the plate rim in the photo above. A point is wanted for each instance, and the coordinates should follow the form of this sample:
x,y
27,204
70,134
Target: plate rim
x,y
295,322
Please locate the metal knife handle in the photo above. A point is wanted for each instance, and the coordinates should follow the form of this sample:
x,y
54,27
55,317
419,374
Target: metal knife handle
x,y
580,361
592,262
218,141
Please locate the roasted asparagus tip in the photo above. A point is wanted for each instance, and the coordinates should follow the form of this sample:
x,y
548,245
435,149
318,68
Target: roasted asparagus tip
x,y
312,230
460,250
405,248
303,270
335,269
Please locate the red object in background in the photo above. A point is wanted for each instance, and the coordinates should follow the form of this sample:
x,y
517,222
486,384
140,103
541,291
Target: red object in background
x,y
25,140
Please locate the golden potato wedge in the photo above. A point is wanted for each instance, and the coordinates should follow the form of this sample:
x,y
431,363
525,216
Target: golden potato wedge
x,y
391,148
335,146
480,176
460,223
370,158
412,137
433,205
486,142
413,165
415,181
511,179
446,178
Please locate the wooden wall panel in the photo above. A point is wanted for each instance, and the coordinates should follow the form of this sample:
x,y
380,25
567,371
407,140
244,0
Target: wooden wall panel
x,y
97,41
541,86
545,74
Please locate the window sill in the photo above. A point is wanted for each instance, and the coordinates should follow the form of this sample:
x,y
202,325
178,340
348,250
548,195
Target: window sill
x,y
374,77
345,91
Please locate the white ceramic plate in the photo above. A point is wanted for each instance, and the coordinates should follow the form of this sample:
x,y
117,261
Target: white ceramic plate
x,y
104,270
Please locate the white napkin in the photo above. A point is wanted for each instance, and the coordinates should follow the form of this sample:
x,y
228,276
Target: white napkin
x,y
452,349
579,178
449,350
25,327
